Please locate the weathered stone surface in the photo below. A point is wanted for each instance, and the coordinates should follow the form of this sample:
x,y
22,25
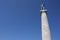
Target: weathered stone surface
x,y
45,27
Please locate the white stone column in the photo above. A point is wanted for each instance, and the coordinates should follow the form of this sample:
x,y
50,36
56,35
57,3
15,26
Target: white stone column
x,y
45,26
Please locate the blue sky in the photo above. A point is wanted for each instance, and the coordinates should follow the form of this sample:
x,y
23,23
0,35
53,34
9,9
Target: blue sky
x,y
21,20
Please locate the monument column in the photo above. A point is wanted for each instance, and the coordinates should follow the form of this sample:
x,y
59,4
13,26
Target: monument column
x,y
44,24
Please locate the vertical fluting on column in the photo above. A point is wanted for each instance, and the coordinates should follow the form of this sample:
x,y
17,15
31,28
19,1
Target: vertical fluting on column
x,y
45,25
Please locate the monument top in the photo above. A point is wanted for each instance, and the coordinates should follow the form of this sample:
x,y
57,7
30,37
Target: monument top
x,y
42,6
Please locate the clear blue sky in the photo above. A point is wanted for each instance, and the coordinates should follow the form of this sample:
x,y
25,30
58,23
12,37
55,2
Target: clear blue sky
x,y
21,20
